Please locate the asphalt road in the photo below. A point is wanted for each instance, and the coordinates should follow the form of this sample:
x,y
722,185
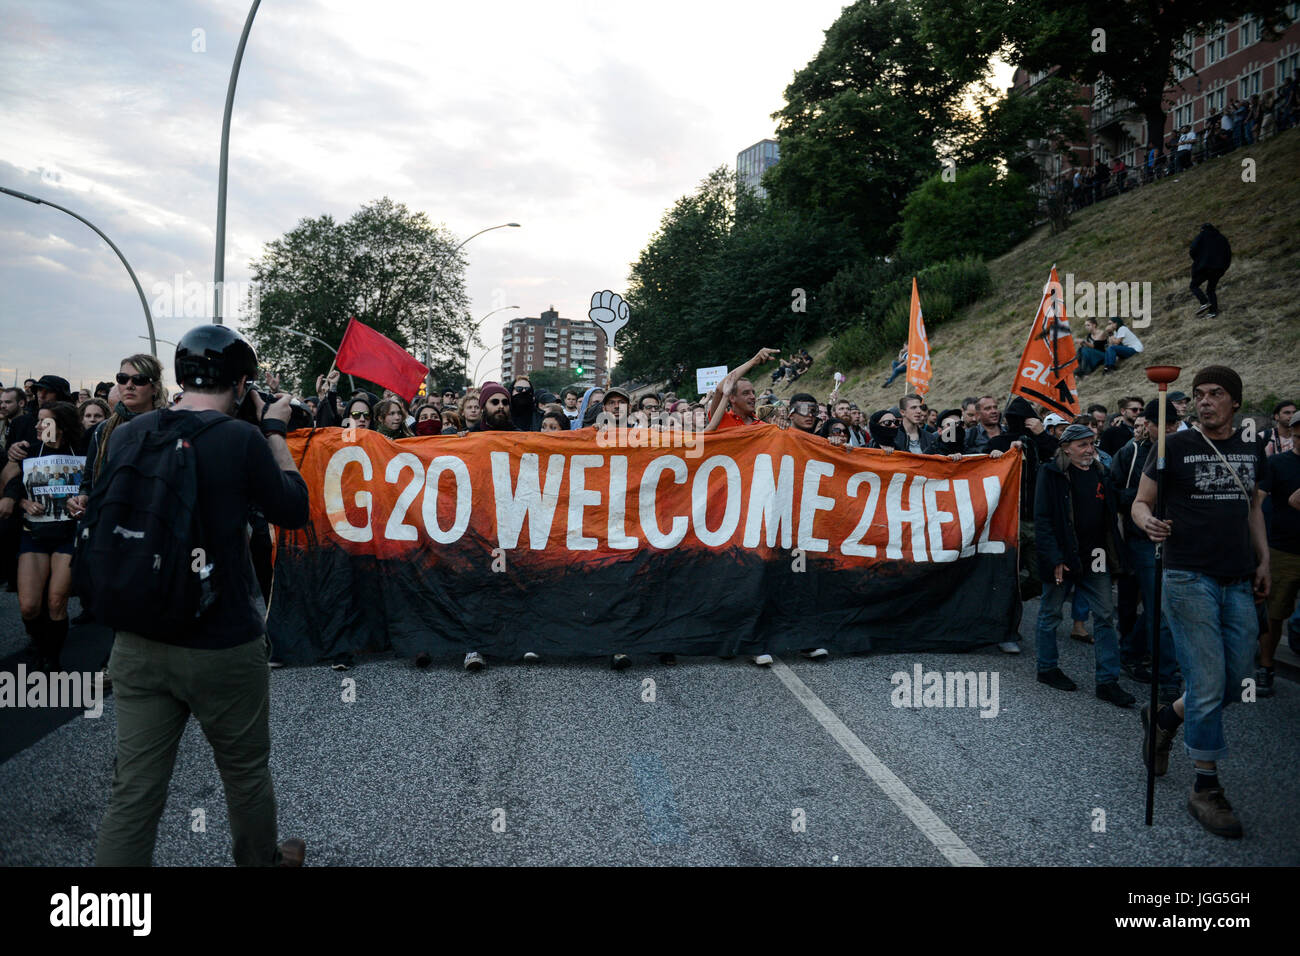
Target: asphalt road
x,y
568,763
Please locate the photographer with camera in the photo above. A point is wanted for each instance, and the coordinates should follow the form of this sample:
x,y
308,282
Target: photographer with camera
x,y
179,590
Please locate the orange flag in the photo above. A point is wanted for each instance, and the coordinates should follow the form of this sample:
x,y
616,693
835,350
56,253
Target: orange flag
x,y
918,348
1046,372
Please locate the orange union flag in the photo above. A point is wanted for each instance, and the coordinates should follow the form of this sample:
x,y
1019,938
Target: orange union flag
x,y
918,348
1046,372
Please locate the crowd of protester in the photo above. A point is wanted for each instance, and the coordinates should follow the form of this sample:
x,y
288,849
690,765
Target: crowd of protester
x,y
1087,531
1241,122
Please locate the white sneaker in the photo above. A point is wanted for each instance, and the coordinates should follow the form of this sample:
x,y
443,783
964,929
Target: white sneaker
x,y
531,658
816,654
1009,647
474,661
763,660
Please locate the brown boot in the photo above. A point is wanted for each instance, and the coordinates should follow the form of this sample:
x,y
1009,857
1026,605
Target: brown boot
x,y
1164,742
292,852
1212,811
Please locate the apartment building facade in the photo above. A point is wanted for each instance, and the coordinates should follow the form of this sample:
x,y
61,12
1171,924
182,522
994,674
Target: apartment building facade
x,y
549,341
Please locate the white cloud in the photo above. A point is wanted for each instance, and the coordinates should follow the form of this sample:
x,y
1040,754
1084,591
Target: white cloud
x,y
582,120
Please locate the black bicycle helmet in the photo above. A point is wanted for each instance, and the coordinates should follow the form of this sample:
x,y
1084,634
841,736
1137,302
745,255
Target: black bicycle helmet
x,y
214,356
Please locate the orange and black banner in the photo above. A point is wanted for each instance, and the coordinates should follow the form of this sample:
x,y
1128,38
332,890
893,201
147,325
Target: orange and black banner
x,y
738,542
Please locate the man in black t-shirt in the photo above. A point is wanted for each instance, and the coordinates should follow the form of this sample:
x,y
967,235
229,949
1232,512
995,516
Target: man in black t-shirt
x,y
1216,562
216,669
1282,482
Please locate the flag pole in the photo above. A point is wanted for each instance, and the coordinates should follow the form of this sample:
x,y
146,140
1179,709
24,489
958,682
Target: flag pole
x,y
1161,375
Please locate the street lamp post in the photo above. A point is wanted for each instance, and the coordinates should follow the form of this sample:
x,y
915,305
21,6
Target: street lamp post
x,y
219,271
308,335
148,316
433,289
482,357
477,326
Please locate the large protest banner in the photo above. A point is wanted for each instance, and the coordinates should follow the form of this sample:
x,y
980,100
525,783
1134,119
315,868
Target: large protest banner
x,y
563,543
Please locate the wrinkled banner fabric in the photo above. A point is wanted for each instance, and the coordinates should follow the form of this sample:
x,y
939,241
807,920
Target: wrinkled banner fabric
x,y
568,544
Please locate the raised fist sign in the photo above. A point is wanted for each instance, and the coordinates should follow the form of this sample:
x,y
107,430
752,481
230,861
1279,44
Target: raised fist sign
x,y
609,311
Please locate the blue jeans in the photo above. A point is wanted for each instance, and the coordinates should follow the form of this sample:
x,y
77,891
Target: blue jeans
x,y
1215,633
895,369
1116,352
1090,358
1078,604
1094,587
1141,555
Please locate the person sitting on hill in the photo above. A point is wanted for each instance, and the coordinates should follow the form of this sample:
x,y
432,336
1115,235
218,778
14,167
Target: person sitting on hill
x,y
897,367
1120,343
1092,350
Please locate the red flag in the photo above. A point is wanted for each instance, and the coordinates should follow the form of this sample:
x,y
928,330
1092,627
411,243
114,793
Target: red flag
x,y
1046,372
918,348
371,355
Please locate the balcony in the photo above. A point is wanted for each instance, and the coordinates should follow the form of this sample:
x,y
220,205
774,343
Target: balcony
x,y
1113,113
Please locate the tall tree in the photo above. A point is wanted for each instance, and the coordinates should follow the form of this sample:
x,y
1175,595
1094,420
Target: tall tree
x,y
864,120
725,274
389,267
1132,47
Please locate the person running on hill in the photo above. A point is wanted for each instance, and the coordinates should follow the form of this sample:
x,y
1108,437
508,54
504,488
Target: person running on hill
x,y
1211,256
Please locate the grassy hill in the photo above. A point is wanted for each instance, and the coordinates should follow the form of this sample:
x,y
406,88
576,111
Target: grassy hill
x,y
1140,236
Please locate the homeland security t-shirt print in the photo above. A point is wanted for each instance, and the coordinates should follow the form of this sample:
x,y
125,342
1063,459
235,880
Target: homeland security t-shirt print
x,y
1210,514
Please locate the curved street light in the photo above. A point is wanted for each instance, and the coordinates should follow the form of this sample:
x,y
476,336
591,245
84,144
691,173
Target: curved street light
x,y
308,335
477,325
148,316
481,358
433,289
219,271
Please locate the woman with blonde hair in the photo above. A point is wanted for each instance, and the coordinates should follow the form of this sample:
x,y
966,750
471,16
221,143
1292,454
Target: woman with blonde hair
x,y
139,389
390,419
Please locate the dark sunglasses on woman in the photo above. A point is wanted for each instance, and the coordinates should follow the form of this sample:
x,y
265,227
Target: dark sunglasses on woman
x,y
139,381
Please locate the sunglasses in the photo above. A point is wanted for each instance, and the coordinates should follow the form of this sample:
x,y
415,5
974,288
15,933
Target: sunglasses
x,y
838,431
522,388
140,381
887,422
361,415
803,408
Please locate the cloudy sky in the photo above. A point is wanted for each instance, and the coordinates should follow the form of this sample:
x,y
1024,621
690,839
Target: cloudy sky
x,y
581,119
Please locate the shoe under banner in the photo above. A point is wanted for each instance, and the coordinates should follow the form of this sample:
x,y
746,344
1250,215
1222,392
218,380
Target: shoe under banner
x,y
745,541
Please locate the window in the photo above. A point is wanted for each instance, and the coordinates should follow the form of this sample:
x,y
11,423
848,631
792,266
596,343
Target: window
x,y
1216,44
1183,116
1249,32
1250,84
1214,100
1287,67
530,348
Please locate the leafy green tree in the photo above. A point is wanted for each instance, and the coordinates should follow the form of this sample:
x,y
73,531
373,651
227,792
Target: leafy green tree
x,y
978,213
863,121
551,379
379,266
1133,48
725,274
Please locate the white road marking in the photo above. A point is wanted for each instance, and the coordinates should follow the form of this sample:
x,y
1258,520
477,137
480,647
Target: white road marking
x,y
935,830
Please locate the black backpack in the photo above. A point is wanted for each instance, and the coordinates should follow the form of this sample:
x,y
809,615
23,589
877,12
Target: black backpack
x,y
139,564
